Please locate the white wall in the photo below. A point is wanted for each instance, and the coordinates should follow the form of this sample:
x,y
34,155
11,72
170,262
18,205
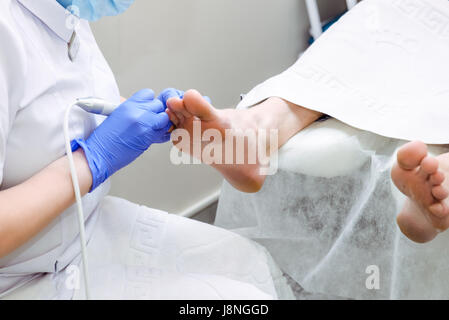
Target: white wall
x,y
220,47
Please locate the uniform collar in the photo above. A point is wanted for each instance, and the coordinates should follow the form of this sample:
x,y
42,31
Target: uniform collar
x,y
51,13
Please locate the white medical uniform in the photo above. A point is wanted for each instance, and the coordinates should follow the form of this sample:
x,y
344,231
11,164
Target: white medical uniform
x,y
135,252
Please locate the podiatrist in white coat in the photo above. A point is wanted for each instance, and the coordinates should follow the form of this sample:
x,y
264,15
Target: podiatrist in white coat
x,y
135,252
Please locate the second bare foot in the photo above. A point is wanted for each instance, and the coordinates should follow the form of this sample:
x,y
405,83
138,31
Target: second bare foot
x,y
423,179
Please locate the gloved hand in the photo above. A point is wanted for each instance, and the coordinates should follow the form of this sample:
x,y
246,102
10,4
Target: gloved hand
x,y
170,93
130,130
173,93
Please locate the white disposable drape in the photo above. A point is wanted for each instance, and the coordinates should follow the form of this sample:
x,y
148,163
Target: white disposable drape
x,y
328,217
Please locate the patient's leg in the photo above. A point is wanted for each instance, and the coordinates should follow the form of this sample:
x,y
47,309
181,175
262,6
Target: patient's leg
x,y
423,179
273,113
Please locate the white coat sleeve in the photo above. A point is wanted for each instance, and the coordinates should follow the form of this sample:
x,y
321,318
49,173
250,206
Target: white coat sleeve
x,y
12,75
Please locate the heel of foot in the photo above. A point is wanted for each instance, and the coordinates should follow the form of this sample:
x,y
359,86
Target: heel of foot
x,y
414,225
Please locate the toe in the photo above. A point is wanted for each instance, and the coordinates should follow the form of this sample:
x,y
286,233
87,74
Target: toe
x,y
397,175
439,209
429,165
173,117
180,116
186,113
175,104
411,155
437,178
439,192
183,110
178,106
198,106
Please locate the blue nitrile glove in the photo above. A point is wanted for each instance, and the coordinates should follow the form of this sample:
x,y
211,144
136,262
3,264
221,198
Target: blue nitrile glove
x,y
130,130
170,93
173,93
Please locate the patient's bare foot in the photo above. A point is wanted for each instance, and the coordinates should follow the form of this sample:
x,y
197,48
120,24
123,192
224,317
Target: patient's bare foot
x,y
423,180
193,107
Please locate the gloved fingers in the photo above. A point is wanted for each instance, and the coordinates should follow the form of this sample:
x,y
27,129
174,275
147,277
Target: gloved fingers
x,y
160,121
74,145
155,106
163,138
167,128
170,93
166,137
143,95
